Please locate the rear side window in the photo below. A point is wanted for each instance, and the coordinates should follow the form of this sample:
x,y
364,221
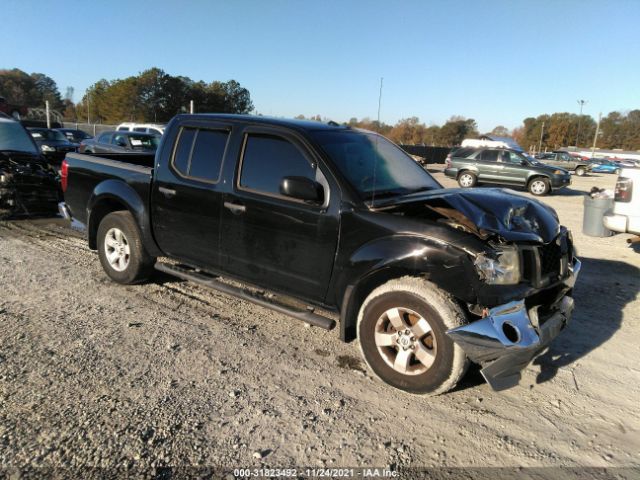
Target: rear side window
x,y
267,160
199,153
489,155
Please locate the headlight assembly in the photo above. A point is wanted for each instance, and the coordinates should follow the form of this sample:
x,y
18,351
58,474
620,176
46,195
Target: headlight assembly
x,y
505,270
47,148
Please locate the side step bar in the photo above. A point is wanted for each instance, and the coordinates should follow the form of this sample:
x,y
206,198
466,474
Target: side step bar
x,y
187,273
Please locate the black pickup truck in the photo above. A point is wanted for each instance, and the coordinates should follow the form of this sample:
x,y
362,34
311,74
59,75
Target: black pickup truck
x,y
336,224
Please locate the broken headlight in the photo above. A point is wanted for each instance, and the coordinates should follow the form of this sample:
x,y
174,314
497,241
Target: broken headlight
x,y
503,270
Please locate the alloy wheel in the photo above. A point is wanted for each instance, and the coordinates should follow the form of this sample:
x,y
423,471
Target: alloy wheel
x,y
405,341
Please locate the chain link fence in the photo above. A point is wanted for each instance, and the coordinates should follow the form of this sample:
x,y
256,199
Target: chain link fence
x,y
91,128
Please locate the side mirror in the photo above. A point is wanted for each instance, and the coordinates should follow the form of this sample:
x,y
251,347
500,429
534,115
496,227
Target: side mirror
x,y
302,188
524,163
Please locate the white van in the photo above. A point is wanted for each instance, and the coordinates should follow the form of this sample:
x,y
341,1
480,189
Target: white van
x,y
625,217
154,128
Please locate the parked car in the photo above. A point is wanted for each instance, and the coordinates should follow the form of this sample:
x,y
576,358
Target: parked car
x,y
426,278
15,111
74,135
53,144
566,161
625,217
120,142
625,162
603,165
475,166
28,184
154,128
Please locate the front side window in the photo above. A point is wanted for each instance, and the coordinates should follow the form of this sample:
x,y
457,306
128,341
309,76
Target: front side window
x,y
104,138
268,159
199,153
512,157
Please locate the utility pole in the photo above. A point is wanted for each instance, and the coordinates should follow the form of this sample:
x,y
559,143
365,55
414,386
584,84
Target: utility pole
x,y
46,105
191,107
595,137
581,103
541,134
88,115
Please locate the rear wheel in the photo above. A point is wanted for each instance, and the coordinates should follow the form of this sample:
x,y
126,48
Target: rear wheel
x,y
539,186
122,254
401,330
617,172
580,171
467,179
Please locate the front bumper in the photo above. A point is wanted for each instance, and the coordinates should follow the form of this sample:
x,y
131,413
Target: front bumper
x,y
511,335
560,181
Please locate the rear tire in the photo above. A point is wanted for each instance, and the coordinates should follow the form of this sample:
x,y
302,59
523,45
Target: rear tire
x,y
539,186
121,251
617,172
467,179
402,334
580,171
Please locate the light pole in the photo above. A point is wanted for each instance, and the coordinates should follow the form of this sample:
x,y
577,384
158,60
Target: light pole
x,y
581,103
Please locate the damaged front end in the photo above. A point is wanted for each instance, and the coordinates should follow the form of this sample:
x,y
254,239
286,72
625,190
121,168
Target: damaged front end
x,y
525,270
507,339
28,186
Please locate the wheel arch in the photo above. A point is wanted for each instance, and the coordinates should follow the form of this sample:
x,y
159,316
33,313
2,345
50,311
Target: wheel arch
x,y
112,196
394,257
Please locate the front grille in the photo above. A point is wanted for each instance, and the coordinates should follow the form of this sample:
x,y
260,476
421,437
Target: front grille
x,y
550,258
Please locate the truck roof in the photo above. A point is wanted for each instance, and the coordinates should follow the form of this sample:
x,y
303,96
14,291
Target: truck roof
x,y
284,122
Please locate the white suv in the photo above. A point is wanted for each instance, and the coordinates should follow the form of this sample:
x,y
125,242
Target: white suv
x,y
625,217
154,128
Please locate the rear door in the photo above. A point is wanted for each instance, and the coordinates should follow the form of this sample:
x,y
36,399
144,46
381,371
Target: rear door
x,y
272,240
186,195
488,167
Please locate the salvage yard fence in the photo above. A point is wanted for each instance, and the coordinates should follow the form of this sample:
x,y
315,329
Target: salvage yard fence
x,y
91,128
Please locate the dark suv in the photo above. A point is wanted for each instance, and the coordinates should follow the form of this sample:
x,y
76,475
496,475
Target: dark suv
x,y
473,166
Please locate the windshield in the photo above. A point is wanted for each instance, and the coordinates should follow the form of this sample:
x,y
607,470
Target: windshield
x,y
14,138
48,135
375,167
144,142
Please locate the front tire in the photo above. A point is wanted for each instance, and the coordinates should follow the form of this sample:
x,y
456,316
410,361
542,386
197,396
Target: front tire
x,y
580,171
121,251
402,333
467,179
539,186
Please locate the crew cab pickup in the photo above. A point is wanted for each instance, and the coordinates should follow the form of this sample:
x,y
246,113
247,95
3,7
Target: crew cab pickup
x,y
327,223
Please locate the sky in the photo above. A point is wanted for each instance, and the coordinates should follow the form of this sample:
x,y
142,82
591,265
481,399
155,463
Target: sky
x,y
495,61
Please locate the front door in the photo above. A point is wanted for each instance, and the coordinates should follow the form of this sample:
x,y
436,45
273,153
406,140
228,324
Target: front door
x,y
514,171
269,239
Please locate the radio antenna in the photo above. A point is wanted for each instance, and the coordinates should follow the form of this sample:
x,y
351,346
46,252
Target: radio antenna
x,y
375,160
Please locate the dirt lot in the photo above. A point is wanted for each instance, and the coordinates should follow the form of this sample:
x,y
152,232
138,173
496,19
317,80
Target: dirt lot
x,y
169,373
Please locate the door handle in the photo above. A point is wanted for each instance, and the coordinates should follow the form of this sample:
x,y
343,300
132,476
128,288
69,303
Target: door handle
x,y
235,207
167,192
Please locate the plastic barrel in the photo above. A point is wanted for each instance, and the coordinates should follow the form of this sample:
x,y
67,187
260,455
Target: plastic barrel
x,y
594,211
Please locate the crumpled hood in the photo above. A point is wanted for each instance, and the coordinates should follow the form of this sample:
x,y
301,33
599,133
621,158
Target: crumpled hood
x,y
485,212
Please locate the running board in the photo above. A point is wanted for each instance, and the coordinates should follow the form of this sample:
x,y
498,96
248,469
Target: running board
x,y
187,273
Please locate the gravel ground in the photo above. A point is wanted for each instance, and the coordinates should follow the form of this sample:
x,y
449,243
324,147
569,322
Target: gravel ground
x,y
172,374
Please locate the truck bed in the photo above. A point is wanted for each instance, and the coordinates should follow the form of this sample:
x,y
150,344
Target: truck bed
x,y
86,172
